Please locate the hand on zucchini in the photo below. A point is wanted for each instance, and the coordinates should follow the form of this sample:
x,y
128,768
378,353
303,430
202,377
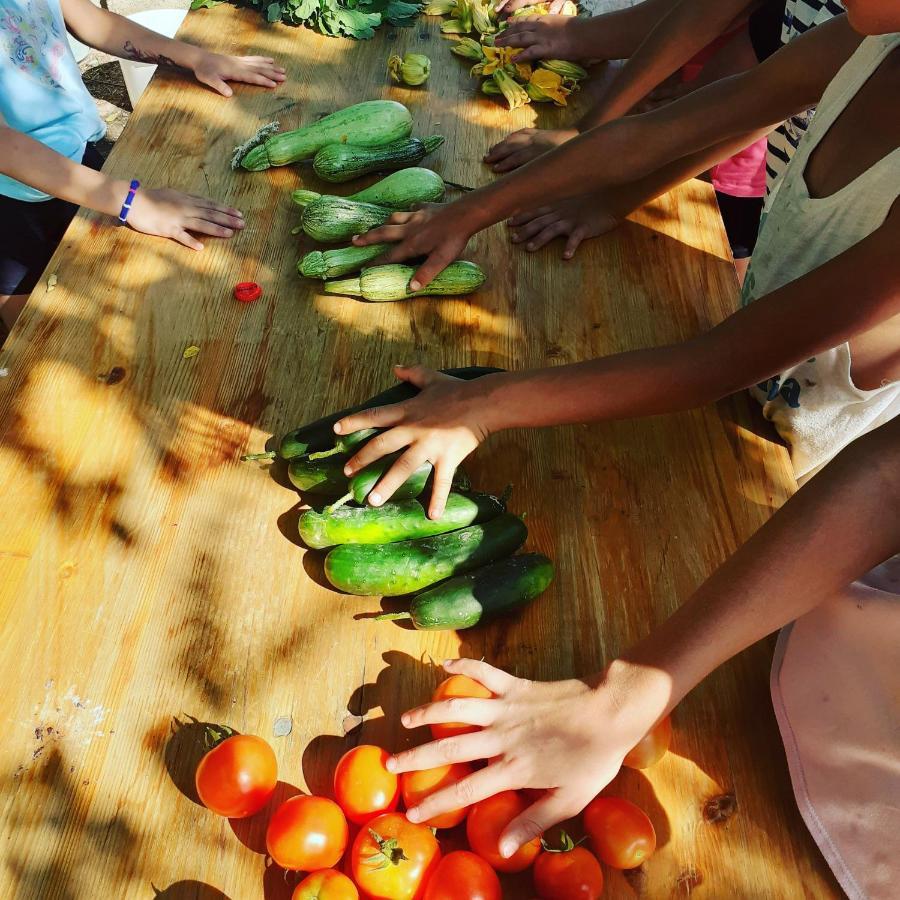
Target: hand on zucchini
x,y
442,425
567,738
576,219
168,213
437,232
525,145
548,37
216,70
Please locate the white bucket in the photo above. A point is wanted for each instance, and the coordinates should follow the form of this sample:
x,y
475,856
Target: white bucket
x,y
137,75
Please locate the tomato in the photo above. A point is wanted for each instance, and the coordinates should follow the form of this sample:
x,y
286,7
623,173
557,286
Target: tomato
x,y
392,858
651,748
326,884
462,875
247,291
307,833
237,777
362,784
416,786
457,686
568,875
487,821
621,834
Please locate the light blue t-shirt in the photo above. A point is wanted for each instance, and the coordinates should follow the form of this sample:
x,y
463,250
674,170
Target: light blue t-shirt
x,y
41,91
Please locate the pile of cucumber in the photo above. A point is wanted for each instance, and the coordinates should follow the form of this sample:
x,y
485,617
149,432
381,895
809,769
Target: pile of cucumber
x,y
460,568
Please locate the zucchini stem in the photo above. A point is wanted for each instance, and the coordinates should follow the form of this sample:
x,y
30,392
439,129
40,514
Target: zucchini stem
x,y
393,617
339,503
250,457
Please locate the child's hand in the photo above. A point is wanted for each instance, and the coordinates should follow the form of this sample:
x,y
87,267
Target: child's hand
x,y
566,737
437,232
548,37
525,145
216,70
171,214
442,424
577,219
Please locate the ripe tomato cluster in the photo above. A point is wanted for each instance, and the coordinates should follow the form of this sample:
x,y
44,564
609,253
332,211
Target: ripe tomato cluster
x,y
391,858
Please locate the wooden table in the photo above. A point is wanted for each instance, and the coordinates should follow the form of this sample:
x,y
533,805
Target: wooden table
x,y
147,575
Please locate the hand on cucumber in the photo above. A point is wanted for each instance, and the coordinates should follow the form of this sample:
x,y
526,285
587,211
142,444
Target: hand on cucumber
x,y
442,425
439,233
567,738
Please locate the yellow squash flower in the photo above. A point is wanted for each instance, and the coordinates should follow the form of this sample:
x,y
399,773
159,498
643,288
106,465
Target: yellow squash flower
x,y
546,86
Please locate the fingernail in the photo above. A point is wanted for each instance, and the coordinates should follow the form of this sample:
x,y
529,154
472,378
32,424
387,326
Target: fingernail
x,y
531,246
390,765
400,366
337,427
413,815
415,285
507,848
348,471
405,720
375,499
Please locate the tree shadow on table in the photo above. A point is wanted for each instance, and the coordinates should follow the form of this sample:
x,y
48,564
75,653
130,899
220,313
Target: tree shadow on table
x,y
189,890
251,831
188,743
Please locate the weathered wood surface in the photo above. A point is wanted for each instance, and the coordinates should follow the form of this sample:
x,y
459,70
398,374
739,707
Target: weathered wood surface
x,y
146,574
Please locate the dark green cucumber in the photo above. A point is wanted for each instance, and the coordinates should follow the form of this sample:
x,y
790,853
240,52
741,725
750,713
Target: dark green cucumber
x,y
319,435
408,566
394,521
365,479
464,601
324,477
346,443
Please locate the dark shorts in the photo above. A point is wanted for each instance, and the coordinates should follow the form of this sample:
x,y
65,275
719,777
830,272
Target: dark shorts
x,y
741,217
30,233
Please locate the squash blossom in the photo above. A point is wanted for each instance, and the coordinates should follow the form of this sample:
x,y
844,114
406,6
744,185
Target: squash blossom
x,y
512,91
468,49
482,20
413,69
496,58
546,86
440,8
564,68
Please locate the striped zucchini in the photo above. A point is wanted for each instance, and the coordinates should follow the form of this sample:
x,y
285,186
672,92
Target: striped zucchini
x,y
333,219
344,162
334,263
399,190
392,282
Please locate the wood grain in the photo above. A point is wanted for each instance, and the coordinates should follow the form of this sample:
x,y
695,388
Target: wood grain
x,y
147,576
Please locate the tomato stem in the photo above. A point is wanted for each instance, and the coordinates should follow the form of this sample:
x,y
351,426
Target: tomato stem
x,y
390,853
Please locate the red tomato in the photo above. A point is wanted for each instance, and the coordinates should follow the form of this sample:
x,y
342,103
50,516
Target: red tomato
x,y
568,875
487,821
620,832
326,884
416,786
462,875
307,833
457,686
363,786
392,858
237,777
651,748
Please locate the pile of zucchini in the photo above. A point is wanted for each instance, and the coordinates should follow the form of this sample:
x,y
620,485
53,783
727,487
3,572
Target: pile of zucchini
x,y
374,136
459,568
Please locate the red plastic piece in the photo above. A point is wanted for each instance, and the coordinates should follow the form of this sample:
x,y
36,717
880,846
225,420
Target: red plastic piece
x,y
247,291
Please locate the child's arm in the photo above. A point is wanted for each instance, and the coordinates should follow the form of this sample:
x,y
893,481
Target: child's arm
x,y
570,737
166,213
627,149
448,419
121,37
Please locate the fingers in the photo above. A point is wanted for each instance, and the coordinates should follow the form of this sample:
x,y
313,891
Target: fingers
x,y
495,680
467,710
509,144
550,810
204,226
220,217
258,78
188,240
384,234
380,445
464,748
436,262
551,232
441,485
418,376
480,785
517,159
517,35
219,84
535,226
380,417
536,50
525,217
579,233
398,473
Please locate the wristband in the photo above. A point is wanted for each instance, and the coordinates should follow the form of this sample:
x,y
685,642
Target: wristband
x,y
126,206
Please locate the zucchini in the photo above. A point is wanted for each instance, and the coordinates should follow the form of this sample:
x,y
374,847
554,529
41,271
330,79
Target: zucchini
x,y
333,219
319,434
463,601
397,520
323,477
399,190
407,566
334,263
391,282
373,123
344,162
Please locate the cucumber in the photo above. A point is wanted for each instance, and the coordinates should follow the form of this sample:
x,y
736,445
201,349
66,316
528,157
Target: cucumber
x,y
344,162
324,477
463,601
394,521
364,480
407,566
346,443
399,190
319,435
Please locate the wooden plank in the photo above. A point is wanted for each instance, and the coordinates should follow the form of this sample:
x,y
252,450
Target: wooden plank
x,y
145,574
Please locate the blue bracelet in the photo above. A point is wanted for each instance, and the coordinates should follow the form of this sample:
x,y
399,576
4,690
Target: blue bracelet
x,y
126,206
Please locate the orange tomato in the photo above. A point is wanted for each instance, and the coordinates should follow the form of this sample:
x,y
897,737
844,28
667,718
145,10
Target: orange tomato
x,y
326,884
237,777
392,858
416,786
568,875
457,686
362,784
621,833
307,834
462,875
652,747
487,821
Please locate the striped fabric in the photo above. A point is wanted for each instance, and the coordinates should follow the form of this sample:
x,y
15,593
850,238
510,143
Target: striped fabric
x,y
799,17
